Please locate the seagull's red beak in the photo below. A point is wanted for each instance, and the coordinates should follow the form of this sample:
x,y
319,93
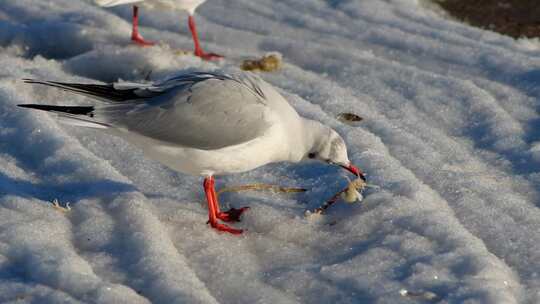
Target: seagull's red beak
x,y
354,170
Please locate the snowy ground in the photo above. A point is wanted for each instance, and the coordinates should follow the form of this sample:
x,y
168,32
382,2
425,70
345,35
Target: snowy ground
x,y
449,134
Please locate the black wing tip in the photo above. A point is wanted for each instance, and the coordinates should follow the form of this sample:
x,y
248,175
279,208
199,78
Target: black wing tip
x,y
105,92
37,106
40,82
75,110
27,105
45,82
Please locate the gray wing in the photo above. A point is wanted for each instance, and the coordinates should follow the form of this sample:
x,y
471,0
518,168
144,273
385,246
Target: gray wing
x,y
213,112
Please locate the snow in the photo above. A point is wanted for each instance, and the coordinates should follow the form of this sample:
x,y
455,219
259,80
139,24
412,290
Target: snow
x,y
449,135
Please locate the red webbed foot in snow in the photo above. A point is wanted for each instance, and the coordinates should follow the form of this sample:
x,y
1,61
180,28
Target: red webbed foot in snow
x,y
208,56
135,36
213,209
233,215
139,40
198,50
225,228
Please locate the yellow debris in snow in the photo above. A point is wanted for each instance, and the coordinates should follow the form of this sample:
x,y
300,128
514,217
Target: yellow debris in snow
x,y
268,63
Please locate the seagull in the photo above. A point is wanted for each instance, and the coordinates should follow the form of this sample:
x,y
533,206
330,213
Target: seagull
x,y
205,124
187,5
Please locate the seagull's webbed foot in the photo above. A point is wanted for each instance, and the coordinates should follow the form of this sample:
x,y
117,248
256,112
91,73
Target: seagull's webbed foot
x,y
213,209
208,56
233,215
139,40
225,228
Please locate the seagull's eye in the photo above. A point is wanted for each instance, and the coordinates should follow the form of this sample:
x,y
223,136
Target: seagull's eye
x,y
312,155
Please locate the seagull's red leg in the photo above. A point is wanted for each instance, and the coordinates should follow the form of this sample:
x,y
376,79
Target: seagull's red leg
x,y
232,215
198,50
212,212
135,36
